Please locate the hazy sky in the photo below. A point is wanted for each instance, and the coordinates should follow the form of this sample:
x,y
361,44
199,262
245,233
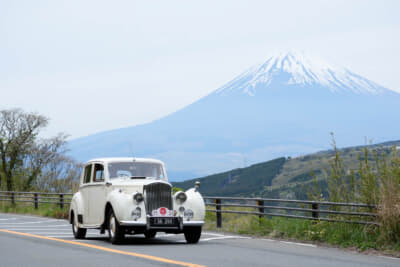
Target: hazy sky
x,y
96,65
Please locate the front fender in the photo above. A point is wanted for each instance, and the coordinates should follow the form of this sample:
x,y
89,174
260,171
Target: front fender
x,y
123,205
195,202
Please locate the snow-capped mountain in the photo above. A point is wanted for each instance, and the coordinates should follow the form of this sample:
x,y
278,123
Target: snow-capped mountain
x,y
295,68
286,106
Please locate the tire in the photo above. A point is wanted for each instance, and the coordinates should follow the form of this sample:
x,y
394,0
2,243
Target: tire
x,y
192,234
116,232
79,233
150,234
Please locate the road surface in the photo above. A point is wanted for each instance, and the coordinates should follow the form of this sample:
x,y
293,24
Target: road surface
x,y
36,241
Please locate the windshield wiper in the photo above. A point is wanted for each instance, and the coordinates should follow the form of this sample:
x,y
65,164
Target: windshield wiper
x,y
138,177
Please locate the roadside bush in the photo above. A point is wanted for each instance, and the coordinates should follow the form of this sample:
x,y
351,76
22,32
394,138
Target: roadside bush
x,y
375,182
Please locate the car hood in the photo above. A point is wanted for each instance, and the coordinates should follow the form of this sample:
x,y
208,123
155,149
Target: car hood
x,y
133,185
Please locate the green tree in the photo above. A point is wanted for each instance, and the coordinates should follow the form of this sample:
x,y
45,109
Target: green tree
x,y
18,131
341,185
26,160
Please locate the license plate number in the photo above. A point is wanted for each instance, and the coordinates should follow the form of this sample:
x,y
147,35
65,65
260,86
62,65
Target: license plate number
x,y
163,221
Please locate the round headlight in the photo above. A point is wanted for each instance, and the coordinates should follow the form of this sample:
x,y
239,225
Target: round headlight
x,y
136,213
181,209
138,197
180,197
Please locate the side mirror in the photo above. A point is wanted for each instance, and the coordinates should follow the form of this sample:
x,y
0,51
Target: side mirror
x,y
108,184
196,186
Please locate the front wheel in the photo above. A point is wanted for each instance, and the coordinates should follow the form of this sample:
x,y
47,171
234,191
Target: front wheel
x,y
79,233
115,231
192,234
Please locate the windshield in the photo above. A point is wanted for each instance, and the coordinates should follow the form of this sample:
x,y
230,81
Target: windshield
x,y
136,170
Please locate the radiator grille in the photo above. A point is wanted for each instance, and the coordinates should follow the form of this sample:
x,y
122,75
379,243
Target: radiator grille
x,y
157,195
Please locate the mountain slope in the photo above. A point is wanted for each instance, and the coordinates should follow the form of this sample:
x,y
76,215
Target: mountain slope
x,y
283,177
286,106
242,181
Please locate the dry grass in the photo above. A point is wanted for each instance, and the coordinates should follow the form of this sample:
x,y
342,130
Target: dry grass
x,y
389,212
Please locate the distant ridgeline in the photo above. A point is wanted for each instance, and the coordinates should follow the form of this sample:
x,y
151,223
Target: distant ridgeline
x,y
289,178
243,181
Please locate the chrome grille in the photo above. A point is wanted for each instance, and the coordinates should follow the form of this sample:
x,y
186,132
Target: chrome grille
x,y
157,195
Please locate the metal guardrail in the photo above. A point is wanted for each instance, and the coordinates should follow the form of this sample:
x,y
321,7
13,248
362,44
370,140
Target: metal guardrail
x,y
61,199
331,212
354,213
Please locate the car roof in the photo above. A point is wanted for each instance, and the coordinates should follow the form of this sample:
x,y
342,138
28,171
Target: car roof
x,y
125,159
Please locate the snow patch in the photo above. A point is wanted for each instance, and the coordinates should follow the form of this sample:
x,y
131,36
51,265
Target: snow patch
x,y
301,70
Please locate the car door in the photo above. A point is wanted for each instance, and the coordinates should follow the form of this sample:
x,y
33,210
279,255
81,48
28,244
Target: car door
x,y
85,191
97,195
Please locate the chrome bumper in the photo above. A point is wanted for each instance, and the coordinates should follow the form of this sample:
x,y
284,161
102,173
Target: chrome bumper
x,y
193,223
146,224
132,223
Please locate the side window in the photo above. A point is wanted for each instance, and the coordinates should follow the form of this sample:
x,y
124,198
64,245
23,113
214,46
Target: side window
x,y
98,173
88,172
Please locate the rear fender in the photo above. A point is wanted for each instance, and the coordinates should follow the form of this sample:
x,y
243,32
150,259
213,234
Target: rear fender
x,y
77,205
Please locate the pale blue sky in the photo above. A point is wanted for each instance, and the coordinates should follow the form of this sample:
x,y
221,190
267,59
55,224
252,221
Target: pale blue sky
x,y
97,65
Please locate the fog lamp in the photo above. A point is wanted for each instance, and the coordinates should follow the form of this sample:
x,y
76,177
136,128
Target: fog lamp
x,y
188,214
136,213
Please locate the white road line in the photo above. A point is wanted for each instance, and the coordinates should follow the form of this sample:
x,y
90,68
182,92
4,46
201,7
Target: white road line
x,y
224,237
44,233
206,233
218,235
387,257
36,229
39,230
80,240
7,219
299,244
44,221
28,216
72,237
37,226
61,234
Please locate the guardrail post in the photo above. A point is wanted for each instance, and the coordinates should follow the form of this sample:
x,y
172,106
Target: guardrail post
x,y
12,198
61,201
219,214
315,213
260,209
36,200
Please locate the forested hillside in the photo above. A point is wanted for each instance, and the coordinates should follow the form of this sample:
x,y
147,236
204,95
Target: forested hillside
x,y
293,178
241,181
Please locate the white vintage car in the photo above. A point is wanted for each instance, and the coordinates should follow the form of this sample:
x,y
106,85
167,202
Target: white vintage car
x,y
133,196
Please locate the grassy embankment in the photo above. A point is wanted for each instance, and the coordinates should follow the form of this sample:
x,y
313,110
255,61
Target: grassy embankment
x,y
343,235
45,209
368,175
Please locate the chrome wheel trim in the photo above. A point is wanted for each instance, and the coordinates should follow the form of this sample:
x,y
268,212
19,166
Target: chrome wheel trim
x,y
75,226
112,225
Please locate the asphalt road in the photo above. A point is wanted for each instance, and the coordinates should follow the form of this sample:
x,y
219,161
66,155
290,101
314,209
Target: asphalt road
x,y
36,241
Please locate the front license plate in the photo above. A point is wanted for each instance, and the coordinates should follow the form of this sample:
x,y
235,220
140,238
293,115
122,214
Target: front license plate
x,y
163,221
